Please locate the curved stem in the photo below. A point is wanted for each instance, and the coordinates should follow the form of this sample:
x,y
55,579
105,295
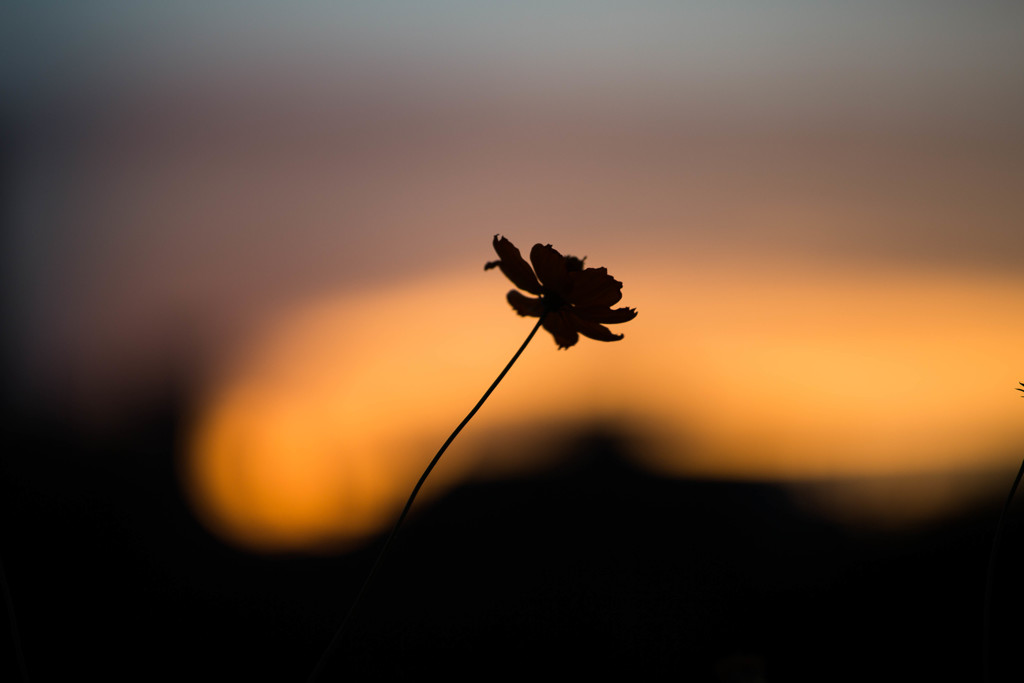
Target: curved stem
x,y
408,505
987,635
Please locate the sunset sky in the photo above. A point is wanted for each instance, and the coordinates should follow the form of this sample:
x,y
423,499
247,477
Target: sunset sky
x,y
815,207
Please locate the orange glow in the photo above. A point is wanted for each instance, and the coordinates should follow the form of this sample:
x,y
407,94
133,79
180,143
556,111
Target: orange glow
x,y
841,373
781,373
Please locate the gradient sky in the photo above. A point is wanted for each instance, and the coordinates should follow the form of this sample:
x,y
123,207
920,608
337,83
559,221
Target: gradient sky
x,y
816,208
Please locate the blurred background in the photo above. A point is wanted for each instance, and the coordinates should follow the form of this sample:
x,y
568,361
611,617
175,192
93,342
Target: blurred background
x,y
244,303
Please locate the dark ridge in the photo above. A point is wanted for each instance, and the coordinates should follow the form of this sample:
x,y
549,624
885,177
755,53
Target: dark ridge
x,y
592,569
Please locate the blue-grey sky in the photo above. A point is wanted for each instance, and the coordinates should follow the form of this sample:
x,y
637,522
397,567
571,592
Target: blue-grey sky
x,y
194,164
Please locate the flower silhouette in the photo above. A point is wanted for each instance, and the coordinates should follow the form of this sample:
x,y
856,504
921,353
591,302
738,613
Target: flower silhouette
x,y
573,300
570,300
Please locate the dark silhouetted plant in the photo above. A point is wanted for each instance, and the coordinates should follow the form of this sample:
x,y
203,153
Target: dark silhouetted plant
x,y
569,300
996,540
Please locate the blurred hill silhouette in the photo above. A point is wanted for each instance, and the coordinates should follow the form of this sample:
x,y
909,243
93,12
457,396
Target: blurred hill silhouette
x,y
594,567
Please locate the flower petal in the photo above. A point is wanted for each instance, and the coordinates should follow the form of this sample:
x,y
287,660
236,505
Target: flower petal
x,y
605,315
559,325
514,266
525,305
592,330
594,288
551,269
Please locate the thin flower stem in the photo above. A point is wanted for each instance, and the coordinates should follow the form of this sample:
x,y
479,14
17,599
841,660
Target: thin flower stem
x,y
987,636
336,641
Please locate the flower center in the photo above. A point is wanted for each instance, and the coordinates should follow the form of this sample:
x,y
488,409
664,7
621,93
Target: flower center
x,y
552,301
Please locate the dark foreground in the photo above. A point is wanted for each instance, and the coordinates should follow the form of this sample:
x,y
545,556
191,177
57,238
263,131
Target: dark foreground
x,y
594,569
